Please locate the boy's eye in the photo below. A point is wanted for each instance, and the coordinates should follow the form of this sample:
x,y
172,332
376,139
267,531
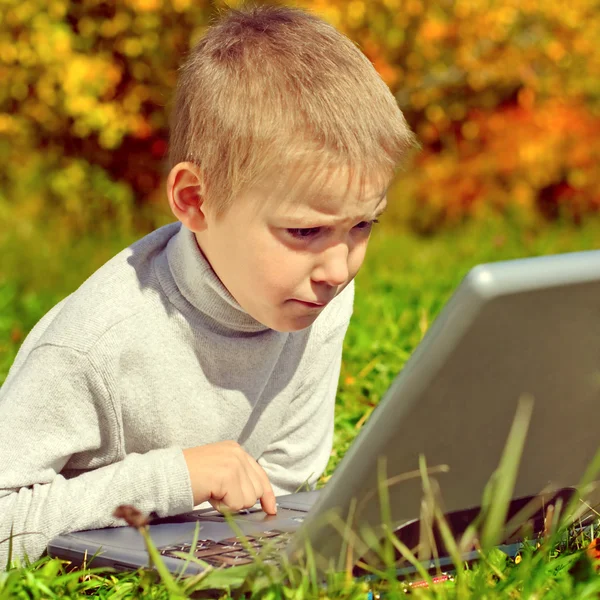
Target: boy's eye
x,y
310,232
304,233
367,224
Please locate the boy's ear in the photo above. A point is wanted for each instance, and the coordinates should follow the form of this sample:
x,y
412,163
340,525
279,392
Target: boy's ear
x,y
185,191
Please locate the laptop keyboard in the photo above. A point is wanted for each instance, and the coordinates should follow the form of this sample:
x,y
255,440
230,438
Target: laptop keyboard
x,y
231,552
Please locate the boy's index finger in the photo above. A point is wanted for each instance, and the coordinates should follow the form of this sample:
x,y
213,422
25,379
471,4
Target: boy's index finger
x,y
267,500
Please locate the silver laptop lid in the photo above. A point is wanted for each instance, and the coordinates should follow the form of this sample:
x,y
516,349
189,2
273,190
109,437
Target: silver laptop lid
x,y
528,326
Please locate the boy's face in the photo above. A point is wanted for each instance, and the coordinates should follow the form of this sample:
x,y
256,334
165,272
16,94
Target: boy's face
x,y
284,258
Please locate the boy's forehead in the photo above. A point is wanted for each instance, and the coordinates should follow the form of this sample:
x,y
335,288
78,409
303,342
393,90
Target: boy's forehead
x,y
323,192
346,205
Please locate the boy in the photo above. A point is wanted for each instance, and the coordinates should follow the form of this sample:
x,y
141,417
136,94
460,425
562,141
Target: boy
x,y
201,363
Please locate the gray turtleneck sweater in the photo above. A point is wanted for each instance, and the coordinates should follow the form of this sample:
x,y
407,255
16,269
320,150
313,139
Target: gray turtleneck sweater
x,y
149,356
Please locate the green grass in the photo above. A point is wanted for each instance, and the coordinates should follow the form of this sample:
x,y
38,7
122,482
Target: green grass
x,y
402,287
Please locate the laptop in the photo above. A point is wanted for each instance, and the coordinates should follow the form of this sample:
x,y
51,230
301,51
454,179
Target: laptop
x,y
528,326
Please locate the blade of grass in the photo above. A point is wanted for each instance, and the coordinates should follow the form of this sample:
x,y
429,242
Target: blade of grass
x,y
506,475
386,520
585,485
190,554
157,561
440,520
10,547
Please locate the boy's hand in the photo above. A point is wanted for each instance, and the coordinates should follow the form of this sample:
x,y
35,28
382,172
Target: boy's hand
x,y
228,477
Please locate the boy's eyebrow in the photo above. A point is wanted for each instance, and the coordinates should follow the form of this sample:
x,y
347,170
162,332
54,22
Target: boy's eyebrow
x,y
381,197
308,221
381,209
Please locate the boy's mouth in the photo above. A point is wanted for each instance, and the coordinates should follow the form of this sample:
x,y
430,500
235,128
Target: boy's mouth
x,y
311,304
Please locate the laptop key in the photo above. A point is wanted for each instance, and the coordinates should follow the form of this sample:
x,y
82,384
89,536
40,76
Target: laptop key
x,y
232,541
176,548
237,554
241,542
269,534
234,549
214,551
230,561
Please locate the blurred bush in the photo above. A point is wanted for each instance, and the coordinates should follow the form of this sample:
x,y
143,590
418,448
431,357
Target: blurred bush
x,y
83,125
504,96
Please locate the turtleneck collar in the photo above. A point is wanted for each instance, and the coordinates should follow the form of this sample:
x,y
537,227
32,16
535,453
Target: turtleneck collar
x,y
199,285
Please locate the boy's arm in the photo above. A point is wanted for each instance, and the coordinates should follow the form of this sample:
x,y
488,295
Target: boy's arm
x,y
55,407
301,450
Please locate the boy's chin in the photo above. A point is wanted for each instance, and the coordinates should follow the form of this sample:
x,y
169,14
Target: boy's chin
x,y
287,324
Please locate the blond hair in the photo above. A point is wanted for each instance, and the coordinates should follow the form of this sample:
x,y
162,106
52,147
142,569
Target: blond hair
x,y
268,87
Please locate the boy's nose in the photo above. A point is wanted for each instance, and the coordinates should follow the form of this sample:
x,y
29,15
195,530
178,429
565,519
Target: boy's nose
x,y
332,267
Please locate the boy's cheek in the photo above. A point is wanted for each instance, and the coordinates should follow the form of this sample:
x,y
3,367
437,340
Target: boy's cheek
x,y
358,260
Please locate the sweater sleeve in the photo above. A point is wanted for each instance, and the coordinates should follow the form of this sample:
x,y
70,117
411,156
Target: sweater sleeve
x,y
56,409
299,453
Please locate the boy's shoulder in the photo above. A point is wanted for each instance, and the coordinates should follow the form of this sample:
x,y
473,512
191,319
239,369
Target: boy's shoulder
x,y
117,292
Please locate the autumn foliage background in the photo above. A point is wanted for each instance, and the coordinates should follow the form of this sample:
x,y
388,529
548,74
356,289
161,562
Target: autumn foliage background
x,y
503,95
